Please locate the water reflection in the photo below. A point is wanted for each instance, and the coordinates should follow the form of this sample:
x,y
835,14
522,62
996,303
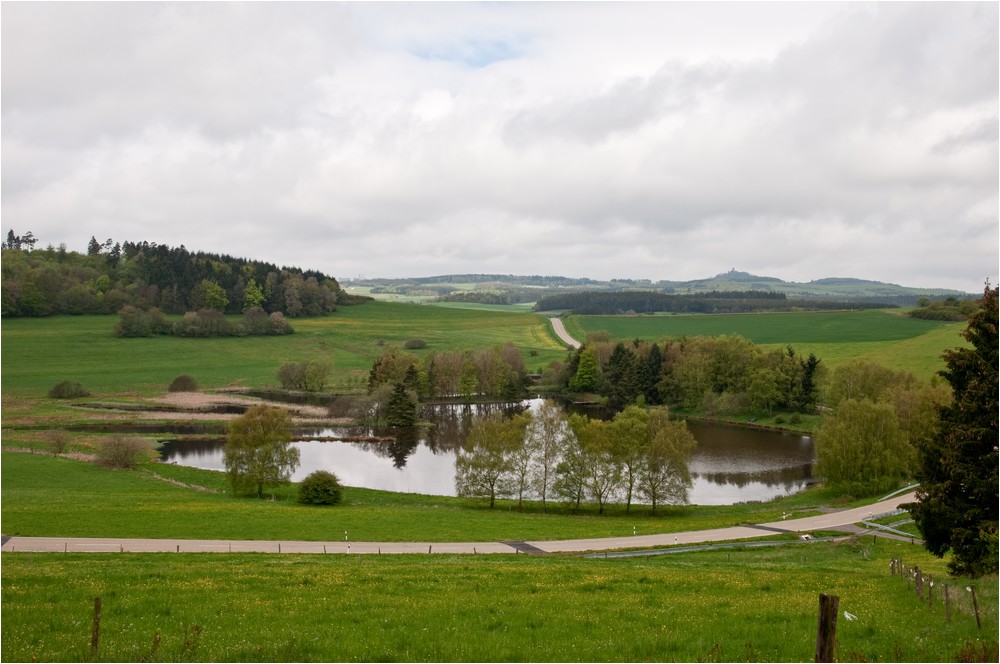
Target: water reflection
x,y
729,465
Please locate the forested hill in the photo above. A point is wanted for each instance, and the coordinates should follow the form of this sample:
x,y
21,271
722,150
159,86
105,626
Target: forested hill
x,y
42,282
511,289
716,302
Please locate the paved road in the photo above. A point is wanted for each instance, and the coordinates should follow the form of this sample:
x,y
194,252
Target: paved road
x,y
560,330
829,521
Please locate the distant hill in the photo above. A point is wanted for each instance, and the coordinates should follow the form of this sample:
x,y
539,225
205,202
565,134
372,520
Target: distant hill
x,y
512,289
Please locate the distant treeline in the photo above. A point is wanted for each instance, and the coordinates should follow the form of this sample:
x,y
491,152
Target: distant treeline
x,y
43,282
717,302
949,309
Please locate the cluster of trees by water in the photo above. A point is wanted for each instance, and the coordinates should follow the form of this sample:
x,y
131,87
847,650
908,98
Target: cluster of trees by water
x,y
488,373
42,282
876,421
727,375
641,453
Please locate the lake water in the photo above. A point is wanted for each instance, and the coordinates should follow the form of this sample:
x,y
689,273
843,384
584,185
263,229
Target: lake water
x,y
729,465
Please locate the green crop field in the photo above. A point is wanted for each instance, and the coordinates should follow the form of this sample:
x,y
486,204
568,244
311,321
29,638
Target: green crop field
x,y
884,336
734,605
39,352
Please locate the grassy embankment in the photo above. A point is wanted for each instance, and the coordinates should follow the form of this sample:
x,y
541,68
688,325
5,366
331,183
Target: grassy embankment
x,y
49,496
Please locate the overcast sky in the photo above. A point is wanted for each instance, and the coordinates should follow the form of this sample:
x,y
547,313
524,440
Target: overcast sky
x,y
647,141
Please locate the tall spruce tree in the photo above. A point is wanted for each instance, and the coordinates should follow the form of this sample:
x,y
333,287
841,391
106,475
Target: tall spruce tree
x,y
957,508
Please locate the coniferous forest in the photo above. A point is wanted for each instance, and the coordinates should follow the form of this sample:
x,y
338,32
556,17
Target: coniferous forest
x,y
145,275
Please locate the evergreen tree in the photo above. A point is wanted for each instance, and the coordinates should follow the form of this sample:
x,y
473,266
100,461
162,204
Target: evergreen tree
x,y
619,382
958,496
807,393
402,407
588,372
651,376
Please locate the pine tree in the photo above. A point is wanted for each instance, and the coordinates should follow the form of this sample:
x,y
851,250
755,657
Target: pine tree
x,y
957,508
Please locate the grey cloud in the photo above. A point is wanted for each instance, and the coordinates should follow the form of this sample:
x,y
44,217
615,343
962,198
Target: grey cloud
x,y
78,72
626,107
580,147
983,133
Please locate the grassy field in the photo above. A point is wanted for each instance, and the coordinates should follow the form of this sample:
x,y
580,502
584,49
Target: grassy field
x,y
49,496
40,352
885,336
743,605
735,605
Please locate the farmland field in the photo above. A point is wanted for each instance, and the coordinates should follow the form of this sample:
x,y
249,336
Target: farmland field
x,y
40,352
884,336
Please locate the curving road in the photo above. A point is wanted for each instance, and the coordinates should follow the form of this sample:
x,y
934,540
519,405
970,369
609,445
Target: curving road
x,y
831,521
560,330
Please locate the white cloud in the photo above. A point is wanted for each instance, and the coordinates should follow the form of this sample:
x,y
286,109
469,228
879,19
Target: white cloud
x,y
642,140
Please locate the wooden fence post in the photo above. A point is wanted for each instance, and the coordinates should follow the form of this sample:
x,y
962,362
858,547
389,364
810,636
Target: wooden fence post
x,y
919,583
95,630
826,633
975,607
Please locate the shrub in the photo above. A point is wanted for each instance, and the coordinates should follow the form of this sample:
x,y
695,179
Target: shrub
x,y
277,325
183,383
310,376
68,389
124,452
320,488
203,323
292,375
414,344
134,322
58,440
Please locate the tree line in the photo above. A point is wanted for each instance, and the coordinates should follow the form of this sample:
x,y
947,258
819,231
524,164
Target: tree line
x,y
174,280
726,375
544,456
136,322
717,302
490,373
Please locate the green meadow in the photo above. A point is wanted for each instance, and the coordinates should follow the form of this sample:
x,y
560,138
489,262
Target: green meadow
x,y
50,496
40,352
884,336
714,606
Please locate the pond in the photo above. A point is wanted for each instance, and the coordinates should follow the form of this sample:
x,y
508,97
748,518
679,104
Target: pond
x,y
730,464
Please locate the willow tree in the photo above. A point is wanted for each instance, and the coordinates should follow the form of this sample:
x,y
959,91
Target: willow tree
x,y
258,449
484,468
664,476
861,448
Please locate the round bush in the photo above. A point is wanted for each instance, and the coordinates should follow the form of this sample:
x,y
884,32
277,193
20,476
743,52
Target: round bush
x,y
415,344
183,383
68,389
320,488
